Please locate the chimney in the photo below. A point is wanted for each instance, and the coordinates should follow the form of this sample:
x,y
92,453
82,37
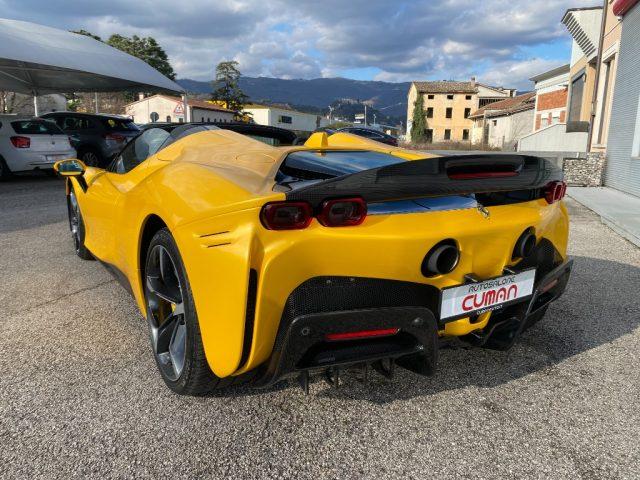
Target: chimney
x,y
473,82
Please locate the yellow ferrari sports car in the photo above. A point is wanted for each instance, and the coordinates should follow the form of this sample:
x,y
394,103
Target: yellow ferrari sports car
x,y
256,262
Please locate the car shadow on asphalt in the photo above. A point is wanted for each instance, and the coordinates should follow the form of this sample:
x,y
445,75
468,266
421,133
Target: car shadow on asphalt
x,y
599,307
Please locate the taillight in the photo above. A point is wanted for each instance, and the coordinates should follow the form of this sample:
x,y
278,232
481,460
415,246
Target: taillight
x,y
21,142
554,192
343,212
116,137
386,332
286,215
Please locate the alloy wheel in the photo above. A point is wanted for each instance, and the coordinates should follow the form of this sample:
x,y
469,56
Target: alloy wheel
x,y
165,307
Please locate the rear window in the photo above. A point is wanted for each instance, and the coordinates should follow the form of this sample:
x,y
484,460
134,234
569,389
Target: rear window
x,y
315,165
35,127
120,125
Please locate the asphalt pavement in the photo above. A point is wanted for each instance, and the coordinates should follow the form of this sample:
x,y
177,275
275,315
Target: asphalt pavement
x,y
80,396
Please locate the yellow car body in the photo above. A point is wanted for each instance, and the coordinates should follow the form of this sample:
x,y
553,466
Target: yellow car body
x,y
208,189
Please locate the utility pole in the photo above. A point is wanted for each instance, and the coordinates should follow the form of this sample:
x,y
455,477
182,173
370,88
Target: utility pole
x,y
365,115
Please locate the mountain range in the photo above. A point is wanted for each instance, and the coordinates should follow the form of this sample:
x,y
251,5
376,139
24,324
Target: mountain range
x,y
389,99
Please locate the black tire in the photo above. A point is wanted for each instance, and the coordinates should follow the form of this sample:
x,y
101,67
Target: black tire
x,y
90,157
5,173
167,291
76,225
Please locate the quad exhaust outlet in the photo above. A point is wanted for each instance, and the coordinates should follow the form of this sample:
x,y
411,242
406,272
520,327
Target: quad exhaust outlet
x,y
443,258
525,245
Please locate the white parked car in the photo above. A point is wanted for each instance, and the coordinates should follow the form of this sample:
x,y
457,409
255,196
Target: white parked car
x,y
31,144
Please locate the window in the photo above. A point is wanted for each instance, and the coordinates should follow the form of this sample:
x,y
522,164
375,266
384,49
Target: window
x,y
449,97
430,112
429,133
495,123
431,97
447,134
154,117
467,112
285,119
467,97
605,101
71,123
465,134
449,112
575,102
137,151
168,118
544,122
208,119
35,127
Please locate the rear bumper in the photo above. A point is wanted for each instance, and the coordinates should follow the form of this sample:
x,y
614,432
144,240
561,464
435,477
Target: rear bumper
x,y
302,345
25,161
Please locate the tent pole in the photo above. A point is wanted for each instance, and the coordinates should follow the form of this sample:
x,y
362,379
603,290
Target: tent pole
x,y
35,104
185,103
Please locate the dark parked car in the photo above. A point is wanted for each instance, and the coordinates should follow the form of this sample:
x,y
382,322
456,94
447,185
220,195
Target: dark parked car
x,y
97,138
270,135
371,134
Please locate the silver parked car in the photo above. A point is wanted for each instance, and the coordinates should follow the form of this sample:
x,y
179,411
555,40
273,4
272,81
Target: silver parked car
x,y
28,144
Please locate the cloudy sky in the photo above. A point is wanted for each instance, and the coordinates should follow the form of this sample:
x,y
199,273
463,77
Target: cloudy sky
x,y
499,41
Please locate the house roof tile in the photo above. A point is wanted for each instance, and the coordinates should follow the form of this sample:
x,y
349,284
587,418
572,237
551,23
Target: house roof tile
x,y
508,105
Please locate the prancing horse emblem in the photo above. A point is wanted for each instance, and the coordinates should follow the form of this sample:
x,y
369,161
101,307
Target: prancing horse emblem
x,y
483,211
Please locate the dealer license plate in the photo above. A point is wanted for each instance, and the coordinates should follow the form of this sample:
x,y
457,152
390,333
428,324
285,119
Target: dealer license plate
x,y
479,297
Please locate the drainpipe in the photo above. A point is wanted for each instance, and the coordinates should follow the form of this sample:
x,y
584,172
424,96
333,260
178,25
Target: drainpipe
x,y
596,83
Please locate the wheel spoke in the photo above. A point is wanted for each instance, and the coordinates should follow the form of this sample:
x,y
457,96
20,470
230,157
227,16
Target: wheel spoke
x,y
170,294
178,346
167,269
166,332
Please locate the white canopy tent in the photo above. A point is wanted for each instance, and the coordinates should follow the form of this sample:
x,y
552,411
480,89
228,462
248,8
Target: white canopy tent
x,y
35,59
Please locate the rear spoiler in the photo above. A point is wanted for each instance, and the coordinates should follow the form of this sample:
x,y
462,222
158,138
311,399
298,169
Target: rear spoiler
x,y
434,177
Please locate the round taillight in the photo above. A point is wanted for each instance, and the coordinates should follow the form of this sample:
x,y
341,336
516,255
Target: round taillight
x,y
343,212
286,215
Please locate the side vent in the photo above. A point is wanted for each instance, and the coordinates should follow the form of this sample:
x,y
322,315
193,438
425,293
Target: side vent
x,y
249,319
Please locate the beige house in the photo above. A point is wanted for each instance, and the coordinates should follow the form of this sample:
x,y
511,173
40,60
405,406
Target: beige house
x,y
611,37
584,26
165,108
583,125
448,106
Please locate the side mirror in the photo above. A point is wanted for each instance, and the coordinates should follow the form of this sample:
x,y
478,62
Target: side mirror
x,y
71,167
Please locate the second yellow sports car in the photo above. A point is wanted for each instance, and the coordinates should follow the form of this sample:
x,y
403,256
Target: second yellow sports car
x,y
260,262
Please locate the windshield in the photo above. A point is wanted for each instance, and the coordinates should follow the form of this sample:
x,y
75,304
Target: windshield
x,y
36,127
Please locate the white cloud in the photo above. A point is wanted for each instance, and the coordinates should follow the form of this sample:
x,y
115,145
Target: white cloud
x,y
404,39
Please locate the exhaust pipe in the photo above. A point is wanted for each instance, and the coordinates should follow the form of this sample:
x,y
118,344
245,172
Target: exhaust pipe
x,y
441,259
525,245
